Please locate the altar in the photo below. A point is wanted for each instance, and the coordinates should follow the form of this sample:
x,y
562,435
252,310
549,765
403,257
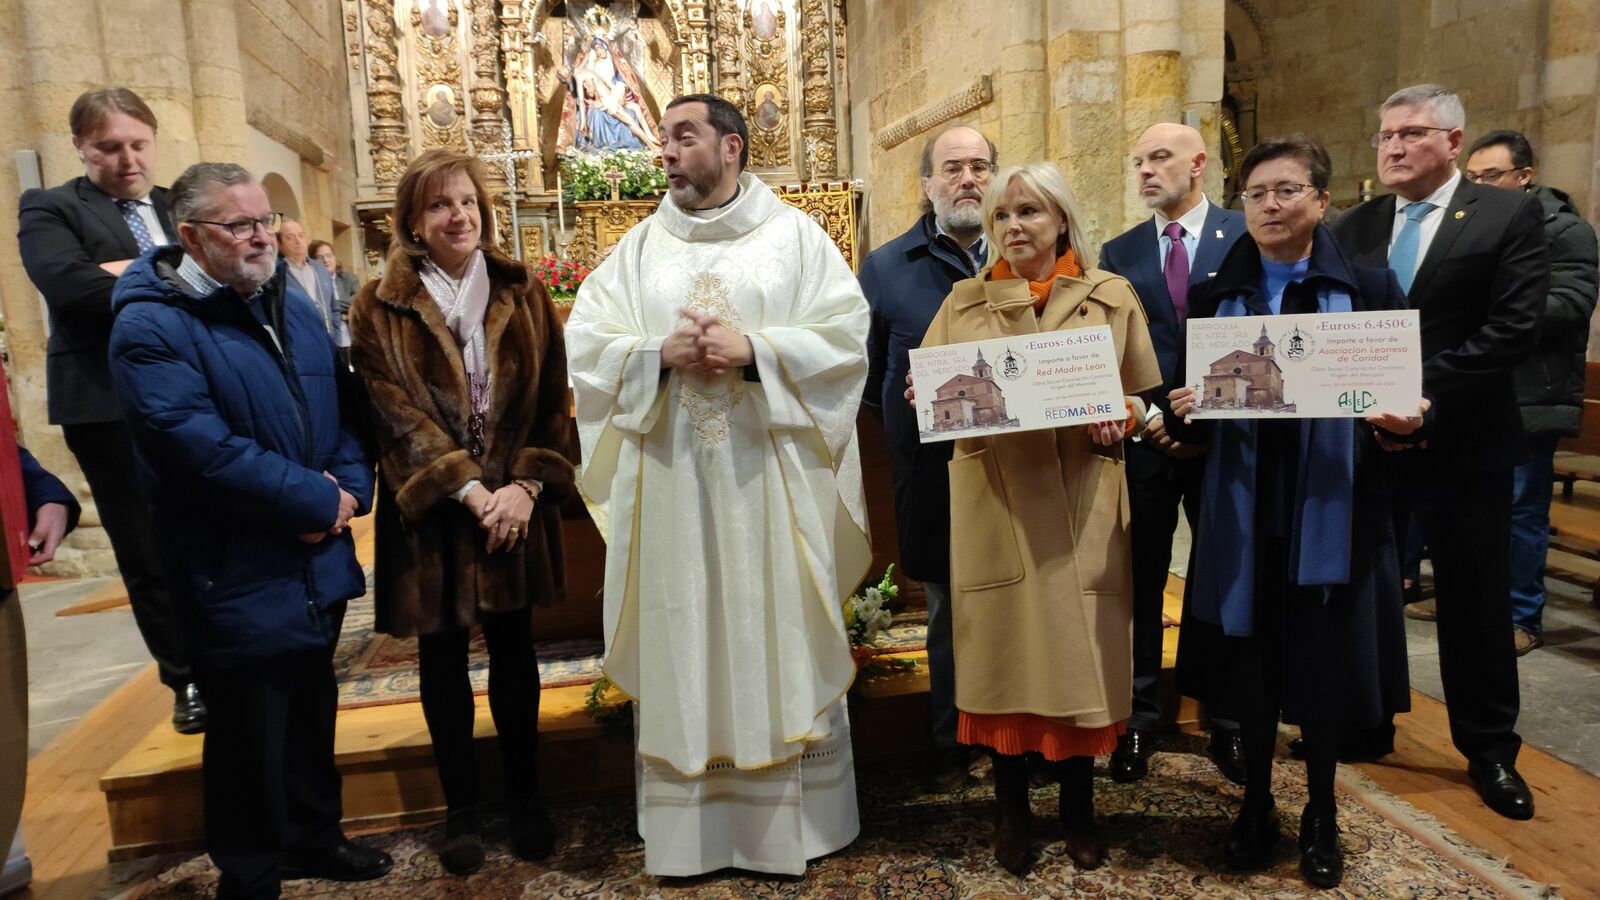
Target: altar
x,y
561,99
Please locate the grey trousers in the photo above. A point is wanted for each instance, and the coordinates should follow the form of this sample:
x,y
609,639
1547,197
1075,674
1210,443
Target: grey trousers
x,y
941,665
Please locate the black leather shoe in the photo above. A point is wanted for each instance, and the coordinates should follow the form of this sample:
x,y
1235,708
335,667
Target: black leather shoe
x,y
1227,751
1321,857
947,770
347,862
1502,789
1252,837
1131,760
461,853
188,711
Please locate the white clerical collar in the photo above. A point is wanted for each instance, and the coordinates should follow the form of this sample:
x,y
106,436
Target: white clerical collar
x,y
1440,198
1192,221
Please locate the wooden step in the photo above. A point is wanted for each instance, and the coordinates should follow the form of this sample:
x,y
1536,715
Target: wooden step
x,y
385,756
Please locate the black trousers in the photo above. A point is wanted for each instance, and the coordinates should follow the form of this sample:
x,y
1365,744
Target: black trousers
x,y
105,454
447,704
1467,524
1157,486
271,787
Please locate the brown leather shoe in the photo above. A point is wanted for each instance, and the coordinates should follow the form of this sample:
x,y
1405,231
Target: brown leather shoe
x,y
1525,640
1423,610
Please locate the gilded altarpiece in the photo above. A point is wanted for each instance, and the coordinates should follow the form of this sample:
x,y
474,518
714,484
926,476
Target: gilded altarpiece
x,y
454,73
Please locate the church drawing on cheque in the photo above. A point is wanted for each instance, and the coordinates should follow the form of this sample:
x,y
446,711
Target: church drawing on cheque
x,y
971,401
1247,379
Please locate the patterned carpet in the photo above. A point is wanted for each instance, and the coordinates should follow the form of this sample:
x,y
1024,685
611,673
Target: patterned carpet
x,y
375,669
1163,832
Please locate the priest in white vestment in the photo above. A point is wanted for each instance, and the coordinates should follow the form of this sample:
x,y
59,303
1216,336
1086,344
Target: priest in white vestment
x,y
718,358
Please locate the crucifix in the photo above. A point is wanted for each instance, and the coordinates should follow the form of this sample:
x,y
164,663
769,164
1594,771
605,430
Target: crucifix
x,y
509,157
615,177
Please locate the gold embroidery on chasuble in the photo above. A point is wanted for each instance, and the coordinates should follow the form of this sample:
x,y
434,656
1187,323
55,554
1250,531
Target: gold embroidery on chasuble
x,y
709,411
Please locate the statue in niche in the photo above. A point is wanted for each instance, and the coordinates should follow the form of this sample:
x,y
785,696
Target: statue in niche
x,y
435,19
764,20
605,104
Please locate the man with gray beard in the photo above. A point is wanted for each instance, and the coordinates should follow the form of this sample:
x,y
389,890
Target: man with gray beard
x,y
231,390
906,281
1169,259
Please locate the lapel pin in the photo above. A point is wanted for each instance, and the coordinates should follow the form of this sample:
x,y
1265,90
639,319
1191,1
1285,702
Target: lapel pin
x,y
1461,214
1219,233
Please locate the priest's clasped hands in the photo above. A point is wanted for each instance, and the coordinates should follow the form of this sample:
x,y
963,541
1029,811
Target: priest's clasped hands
x,y
705,345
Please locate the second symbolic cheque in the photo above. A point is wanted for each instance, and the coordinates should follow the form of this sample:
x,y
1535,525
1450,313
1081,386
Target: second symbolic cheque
x,y
1044,380
1313,366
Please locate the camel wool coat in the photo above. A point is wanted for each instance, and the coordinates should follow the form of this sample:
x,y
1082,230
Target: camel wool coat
x,y
433,573
1039,554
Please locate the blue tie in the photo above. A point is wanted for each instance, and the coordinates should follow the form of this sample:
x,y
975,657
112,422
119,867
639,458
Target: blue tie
x,y
1403,255
141,233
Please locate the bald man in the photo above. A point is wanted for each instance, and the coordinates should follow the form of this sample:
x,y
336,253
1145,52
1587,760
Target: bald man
x,y
1170,259
906,281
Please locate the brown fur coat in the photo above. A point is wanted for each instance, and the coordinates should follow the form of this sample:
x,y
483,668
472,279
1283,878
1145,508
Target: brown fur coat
x,y
433,572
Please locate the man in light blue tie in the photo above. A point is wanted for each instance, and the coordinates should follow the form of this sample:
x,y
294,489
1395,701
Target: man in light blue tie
x,y
1475,264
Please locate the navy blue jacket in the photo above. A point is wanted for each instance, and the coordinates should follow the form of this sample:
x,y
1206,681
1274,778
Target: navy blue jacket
x,y
40,487
906,281
1134,255
233,437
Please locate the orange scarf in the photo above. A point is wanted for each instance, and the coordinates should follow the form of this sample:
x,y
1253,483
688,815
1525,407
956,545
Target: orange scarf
x,y
1066,264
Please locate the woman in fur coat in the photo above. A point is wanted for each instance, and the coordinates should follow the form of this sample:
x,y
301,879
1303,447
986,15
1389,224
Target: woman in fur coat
x,y
461,353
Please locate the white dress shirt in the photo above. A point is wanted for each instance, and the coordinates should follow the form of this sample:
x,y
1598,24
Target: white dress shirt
x,y
1430,223
1193,222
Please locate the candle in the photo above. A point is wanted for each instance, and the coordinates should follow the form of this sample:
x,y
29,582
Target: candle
x,y
561,204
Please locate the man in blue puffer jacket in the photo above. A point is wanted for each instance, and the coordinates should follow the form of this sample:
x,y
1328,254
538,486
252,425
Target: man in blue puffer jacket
x,y
229,385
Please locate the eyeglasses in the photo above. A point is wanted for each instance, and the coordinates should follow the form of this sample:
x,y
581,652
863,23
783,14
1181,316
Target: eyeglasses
x,y
1408,136
1491,174
242,229
980,169
1284,192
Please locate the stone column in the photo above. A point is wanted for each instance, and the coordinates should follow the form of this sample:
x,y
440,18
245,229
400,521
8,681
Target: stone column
x,y
1152,84
145,51
1087,137
211,34
1567,142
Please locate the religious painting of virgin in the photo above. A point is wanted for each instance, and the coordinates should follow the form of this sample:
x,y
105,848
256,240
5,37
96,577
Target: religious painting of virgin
x,y
441,105
764,20
606,106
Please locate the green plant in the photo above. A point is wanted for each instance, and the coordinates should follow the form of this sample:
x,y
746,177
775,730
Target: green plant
x,y
583,175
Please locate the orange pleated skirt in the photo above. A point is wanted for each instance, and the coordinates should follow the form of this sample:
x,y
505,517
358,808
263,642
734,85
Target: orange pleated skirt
x,y
1017,733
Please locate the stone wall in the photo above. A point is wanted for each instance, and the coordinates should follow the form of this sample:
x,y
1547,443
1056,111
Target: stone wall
x,y
210,70
1072,83
1324,66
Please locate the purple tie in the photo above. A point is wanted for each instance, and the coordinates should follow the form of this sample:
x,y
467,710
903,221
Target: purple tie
x,y
1177,269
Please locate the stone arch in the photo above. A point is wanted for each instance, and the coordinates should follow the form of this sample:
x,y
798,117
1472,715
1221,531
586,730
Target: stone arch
x,y
1246,34
281,195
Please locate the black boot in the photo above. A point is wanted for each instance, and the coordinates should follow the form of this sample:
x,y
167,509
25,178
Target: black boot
x,y
1085,847
1252,836
533,836
461,853
1013,818
1321,857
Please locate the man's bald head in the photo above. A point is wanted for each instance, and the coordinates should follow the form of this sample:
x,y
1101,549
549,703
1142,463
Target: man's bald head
x,y
1171,162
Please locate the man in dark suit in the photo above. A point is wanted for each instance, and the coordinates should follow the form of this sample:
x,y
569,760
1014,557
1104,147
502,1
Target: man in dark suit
x,y
75,240
905,282
1473,260
1168,259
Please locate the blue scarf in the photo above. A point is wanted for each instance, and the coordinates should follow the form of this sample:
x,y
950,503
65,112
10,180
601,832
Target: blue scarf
x,y
1225,545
